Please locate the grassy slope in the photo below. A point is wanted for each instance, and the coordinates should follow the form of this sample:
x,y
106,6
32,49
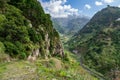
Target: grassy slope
x,y
50,69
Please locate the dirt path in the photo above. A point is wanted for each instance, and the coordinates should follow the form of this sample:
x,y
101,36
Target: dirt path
x,y
19,71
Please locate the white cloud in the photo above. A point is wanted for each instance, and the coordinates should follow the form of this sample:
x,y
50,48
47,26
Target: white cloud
x,y
57,8
87,6
97,3
119,6
108,1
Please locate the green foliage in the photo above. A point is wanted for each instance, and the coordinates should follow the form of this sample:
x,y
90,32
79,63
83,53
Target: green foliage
x,y
3,3
14,32
103,19
44,69
2,18
98,42
32,10
23,28
70,70
16,49
35,37
3,56
2,48
11,48
102,52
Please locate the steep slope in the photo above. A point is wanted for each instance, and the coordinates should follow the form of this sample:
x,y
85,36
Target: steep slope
x,y
75,25
98,43
100,20
70,25
103,52
44,69
30,48
27,32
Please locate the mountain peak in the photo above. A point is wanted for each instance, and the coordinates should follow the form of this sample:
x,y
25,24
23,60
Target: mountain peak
x,y
98,42
102,18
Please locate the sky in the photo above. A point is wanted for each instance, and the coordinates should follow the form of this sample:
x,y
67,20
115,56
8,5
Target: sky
x,y
64,8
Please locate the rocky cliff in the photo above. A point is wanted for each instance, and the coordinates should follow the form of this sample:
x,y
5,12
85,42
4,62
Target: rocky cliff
x,y
26,31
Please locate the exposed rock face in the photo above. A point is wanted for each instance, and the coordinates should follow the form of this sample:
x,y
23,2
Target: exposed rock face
x,y
34,55
47,46
28,31
59,49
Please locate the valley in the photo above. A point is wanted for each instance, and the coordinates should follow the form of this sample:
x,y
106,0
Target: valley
x,y
36,46
96,43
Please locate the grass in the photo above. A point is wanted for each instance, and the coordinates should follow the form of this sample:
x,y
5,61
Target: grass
x,y
68,71
17,70
44,69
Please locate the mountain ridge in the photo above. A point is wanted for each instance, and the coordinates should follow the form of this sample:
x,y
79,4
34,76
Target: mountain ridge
x,y
98,42
70,25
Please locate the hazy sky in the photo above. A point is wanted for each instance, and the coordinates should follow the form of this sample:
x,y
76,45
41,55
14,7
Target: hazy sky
x,y
63,8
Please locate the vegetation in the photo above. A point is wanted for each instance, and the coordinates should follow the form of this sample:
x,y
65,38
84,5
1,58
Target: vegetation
x,y
53,68
98,42
25,27
30,48
27,33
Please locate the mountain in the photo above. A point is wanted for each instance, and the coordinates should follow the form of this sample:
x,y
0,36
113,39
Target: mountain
x,y
75,25
26,31
98,42
69,25
30,48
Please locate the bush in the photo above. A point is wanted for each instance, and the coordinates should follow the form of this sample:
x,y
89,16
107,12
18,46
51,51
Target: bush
x,y
2,48
3,56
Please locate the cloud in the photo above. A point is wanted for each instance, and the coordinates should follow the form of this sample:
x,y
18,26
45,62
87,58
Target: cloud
x,y
119,6
58,8
97,3
87,6
108,1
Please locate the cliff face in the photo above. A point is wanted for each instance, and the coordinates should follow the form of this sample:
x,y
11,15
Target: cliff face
x,y
26,31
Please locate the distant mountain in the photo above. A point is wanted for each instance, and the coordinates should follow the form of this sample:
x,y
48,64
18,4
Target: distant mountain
x,y
98,42
102,19
69,25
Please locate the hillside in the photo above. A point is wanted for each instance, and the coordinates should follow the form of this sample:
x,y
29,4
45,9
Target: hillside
x,y
44,69
30,48
100,20
98,43
25,30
